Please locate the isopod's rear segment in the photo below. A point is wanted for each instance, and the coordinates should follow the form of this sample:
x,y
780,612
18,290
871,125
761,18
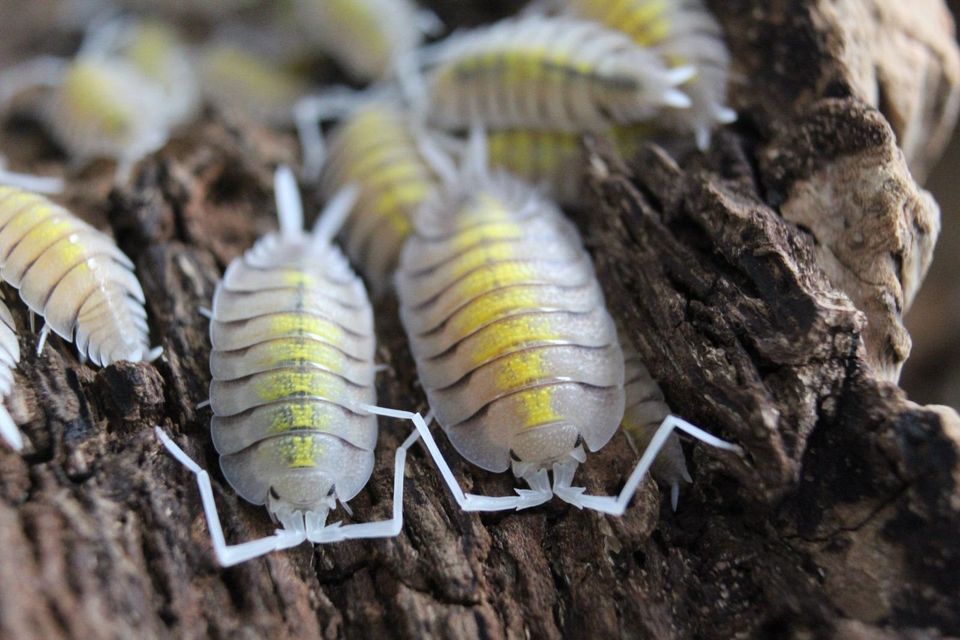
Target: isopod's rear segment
x,y
507,324
74,276
376,149
541,72
292,358
365,36
684,32
9,357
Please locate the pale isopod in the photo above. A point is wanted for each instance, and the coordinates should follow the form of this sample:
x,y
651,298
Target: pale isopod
x,y
366,37
541,72
293,384
9,357
684,32
73,276
376,148
514,346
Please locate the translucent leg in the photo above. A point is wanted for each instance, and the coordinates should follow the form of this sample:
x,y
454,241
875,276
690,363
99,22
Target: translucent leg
x,y
382,529
294,531
524,499
9,431
27,182
563,472
44,334
44,71
309,112
333,216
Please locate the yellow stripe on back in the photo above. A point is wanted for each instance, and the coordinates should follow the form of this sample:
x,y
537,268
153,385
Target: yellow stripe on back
x,y
301,351
281,384
293,417
301,451
293,323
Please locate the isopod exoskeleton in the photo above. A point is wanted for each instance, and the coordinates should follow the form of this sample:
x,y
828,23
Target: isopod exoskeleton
x,y
293,384
514,346
541,72
73,276
9,357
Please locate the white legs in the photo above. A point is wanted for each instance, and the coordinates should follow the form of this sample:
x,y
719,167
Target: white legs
x,y
538,494
228,555
44,334
297,526
616,505
382,529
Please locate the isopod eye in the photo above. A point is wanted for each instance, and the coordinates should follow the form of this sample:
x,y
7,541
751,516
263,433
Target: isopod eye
x,y
273,494
514,456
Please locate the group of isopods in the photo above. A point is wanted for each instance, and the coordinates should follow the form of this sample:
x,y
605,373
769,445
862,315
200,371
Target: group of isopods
x,y
442,180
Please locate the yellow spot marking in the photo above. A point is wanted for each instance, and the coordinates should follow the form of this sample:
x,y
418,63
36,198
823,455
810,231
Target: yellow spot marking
x,y
300,416
295,278
479,256
90,95
489,308
536,407
301,451
484,233
499,339
252,76
299,352
150,48
278,385
304,324
498,275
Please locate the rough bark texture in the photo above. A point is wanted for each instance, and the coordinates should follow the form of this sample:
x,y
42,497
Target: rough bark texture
x,y
741,280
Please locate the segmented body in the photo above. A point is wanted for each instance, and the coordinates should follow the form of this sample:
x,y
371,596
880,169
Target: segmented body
x,y
293,346
555,160
546,73
234,78
105,108
507,324
376,150
645,411
364,36
9,357
72,275
683,32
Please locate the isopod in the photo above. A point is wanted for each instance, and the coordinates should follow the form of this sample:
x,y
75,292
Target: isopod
x,y
380,149
9,357
293,384
366,37
73,276
519,358
685,33
543,72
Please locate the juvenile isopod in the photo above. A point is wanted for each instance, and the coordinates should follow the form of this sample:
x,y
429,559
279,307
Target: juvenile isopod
x,y
542,72
683,32
293,384
74,277
518,356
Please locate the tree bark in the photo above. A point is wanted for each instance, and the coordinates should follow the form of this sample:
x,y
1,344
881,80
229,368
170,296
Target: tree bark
x,y
762,282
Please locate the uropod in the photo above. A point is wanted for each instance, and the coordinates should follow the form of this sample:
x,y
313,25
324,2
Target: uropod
x,y
293,384
683,32
518,356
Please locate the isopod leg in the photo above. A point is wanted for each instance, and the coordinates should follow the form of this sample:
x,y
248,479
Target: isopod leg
x,y
617,505
42,340
524,499
382,529
228,555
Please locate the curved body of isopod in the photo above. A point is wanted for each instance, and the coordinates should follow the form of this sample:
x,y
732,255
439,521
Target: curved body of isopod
x,y
73,276
514,346
544,72
366,37
9,357
376,148
293,384
683,32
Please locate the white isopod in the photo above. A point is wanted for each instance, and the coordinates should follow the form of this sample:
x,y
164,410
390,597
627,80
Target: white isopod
x,y
73,276
514,346
544,72
293,384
